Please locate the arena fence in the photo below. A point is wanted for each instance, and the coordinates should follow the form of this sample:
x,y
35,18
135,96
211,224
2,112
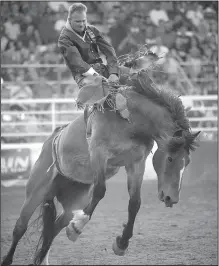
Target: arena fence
x,y
53,116
17,159
60,68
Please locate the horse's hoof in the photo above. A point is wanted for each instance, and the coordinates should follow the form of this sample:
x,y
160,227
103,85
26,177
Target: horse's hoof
x,y
71,233
75,226
117,250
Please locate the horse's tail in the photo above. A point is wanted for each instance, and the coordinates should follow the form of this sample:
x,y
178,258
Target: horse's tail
x,y
48,214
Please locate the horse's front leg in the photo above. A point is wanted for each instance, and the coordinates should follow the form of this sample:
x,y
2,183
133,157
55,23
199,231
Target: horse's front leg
x,y
135,174
81,217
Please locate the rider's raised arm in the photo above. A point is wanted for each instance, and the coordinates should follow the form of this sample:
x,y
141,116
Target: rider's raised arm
x,y
107,49
73,58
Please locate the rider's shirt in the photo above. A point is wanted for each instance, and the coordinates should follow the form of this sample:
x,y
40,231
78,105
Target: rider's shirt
x,y
81,52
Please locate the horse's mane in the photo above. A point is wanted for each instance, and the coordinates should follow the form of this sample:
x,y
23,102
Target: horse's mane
x,y
129,60
174,105
143,84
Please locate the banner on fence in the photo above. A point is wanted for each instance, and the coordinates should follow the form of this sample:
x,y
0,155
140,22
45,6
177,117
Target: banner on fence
x,y
16,163
17,160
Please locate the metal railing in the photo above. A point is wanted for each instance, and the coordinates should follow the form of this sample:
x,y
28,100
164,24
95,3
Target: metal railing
x,y
63,66
50,116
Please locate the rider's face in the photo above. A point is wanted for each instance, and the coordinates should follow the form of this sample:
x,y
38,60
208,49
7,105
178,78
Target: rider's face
x,y
78,21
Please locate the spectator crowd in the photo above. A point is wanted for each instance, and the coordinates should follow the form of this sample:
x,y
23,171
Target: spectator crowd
x,y
185,33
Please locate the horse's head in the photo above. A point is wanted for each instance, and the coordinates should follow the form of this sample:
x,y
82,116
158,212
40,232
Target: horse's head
x,y
169,161
168,116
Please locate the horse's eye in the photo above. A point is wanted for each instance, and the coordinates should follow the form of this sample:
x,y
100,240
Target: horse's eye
x,y
170,159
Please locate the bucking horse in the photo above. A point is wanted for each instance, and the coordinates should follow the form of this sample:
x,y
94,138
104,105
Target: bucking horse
x,y
77,159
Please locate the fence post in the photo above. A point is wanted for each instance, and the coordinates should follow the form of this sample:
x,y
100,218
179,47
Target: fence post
x,y
59,80
53,116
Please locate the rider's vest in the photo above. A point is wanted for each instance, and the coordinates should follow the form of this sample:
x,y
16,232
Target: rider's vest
x,y
80,52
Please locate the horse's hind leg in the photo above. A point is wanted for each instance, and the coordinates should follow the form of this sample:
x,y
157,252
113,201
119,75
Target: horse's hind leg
x,y
46,260
42,254
20,228
37,189
72,195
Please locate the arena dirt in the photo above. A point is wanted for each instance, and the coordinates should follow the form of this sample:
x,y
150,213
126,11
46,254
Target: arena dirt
x,y
185,234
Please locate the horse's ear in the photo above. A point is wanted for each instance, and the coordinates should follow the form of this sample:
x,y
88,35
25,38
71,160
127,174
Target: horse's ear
x,y
178,133
195,135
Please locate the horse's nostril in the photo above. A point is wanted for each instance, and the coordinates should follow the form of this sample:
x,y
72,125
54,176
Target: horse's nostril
x,y
167,198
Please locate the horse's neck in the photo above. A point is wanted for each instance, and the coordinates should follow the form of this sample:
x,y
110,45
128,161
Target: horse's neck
x,y
148,116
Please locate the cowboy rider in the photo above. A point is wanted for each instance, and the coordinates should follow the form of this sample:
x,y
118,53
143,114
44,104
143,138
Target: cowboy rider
x,y
79,44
